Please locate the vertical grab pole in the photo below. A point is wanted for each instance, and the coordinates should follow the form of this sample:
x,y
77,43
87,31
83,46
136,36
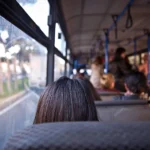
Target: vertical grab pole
x,y
51,48
106,51
134,51
149,59
66,51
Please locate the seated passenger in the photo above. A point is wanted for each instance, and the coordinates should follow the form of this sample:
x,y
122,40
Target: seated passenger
x,y
107,82
135,84
97,71
78,74
66,100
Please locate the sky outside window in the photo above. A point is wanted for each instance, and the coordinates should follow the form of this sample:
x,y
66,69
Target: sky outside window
x,y
38,10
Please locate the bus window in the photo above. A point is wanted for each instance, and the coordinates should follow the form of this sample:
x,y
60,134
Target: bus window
x,y
132,60
59,67
68,65
22,66
142,57
40,16
68,70
60,42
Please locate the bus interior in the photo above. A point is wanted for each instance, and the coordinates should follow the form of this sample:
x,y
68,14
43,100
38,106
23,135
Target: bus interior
x,y
43,40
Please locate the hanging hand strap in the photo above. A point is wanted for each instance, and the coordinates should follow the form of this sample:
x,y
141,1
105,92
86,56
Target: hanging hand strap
x,y
129,21
114,17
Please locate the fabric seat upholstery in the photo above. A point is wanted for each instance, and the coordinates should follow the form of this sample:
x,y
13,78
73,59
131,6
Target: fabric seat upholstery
x,y
82,136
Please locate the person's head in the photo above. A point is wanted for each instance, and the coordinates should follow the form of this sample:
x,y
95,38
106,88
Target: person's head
x,y
145,58
136,82
98,60
66,100
107,81
120,53
79,74
111,57
91,88
78,70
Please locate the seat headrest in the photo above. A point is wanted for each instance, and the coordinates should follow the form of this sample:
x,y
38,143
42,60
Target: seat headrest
x,y
82,135
121,102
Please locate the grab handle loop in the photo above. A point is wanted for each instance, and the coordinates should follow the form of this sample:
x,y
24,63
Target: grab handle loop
x,y
129,21
114,17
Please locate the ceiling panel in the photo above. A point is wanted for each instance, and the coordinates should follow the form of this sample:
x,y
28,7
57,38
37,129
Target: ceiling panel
x,y
71,8
83,49
141,2
84,36
75,37
78,43
73,26
96,6
106,23
118,6
91,22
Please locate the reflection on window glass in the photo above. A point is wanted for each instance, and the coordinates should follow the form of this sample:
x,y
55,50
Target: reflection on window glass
x,y
38,10
60,42
59,67
22,76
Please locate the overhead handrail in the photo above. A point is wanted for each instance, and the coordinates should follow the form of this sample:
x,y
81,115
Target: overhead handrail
x,y
116,19
136,38
121,14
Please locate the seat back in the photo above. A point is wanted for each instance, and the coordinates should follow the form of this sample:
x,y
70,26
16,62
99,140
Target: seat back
x,y
125,111
106,96
82,136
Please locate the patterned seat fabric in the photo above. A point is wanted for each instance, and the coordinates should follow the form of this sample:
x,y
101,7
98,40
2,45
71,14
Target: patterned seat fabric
x,y
82,136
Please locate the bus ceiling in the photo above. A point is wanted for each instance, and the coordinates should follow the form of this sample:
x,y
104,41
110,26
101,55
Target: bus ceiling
x,y
87,20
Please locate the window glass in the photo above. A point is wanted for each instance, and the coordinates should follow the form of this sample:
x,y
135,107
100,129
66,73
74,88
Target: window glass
x,y
59,67
38,10
22,77
68,54
60,42
142,57
68,70
68,65
132,59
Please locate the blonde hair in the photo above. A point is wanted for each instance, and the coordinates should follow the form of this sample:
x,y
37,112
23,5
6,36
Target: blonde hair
x,y
106,81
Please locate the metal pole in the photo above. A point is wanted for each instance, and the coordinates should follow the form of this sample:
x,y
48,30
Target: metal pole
x,y
148,59
51,48
65,73
134,51
137,38
106,52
